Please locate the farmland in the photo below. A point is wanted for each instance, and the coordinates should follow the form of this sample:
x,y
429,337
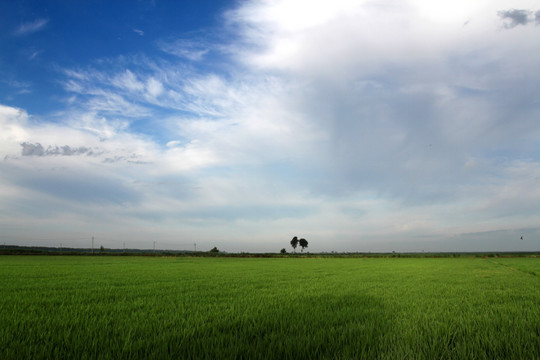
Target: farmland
x,y
181,307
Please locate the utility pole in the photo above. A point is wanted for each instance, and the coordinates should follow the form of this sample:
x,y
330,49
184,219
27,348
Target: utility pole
x,y
92,245
124,246
195,246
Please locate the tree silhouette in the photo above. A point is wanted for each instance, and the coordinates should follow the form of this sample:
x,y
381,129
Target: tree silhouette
x,y
283,251
294,243
303,243
214,250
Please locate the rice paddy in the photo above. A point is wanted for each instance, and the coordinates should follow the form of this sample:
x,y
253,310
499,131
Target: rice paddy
x,y
269,308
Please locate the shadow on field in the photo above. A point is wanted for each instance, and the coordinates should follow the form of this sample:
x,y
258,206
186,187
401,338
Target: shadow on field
x,y
313,326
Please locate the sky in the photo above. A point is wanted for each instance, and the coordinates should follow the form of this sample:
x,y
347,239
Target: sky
x,y
367,125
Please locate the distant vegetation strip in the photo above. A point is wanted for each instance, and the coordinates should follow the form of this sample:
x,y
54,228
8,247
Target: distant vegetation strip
x,y
43,250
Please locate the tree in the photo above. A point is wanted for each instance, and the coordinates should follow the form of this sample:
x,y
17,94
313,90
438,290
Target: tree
x,y
294,243
303,243
214,250
283,251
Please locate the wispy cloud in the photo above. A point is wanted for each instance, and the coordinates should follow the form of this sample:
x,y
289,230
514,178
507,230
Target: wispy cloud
x,y
35,54
157,84
140,32
106,93
19,87
31,27
190,49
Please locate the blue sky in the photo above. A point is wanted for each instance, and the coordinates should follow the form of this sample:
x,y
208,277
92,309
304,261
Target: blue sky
x,y
358,125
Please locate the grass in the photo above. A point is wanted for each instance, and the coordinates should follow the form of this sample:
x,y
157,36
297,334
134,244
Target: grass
x,y
387,308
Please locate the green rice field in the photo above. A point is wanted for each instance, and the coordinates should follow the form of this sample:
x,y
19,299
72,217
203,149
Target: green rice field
x,y
116,307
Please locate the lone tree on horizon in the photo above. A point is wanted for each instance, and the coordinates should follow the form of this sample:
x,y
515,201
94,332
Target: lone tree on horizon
x,y
303,243
294,243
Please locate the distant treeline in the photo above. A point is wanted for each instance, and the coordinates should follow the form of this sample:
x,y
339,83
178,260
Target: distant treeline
x,y
43,250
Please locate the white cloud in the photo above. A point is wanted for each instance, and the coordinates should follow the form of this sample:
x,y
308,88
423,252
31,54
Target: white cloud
x,y
13,124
